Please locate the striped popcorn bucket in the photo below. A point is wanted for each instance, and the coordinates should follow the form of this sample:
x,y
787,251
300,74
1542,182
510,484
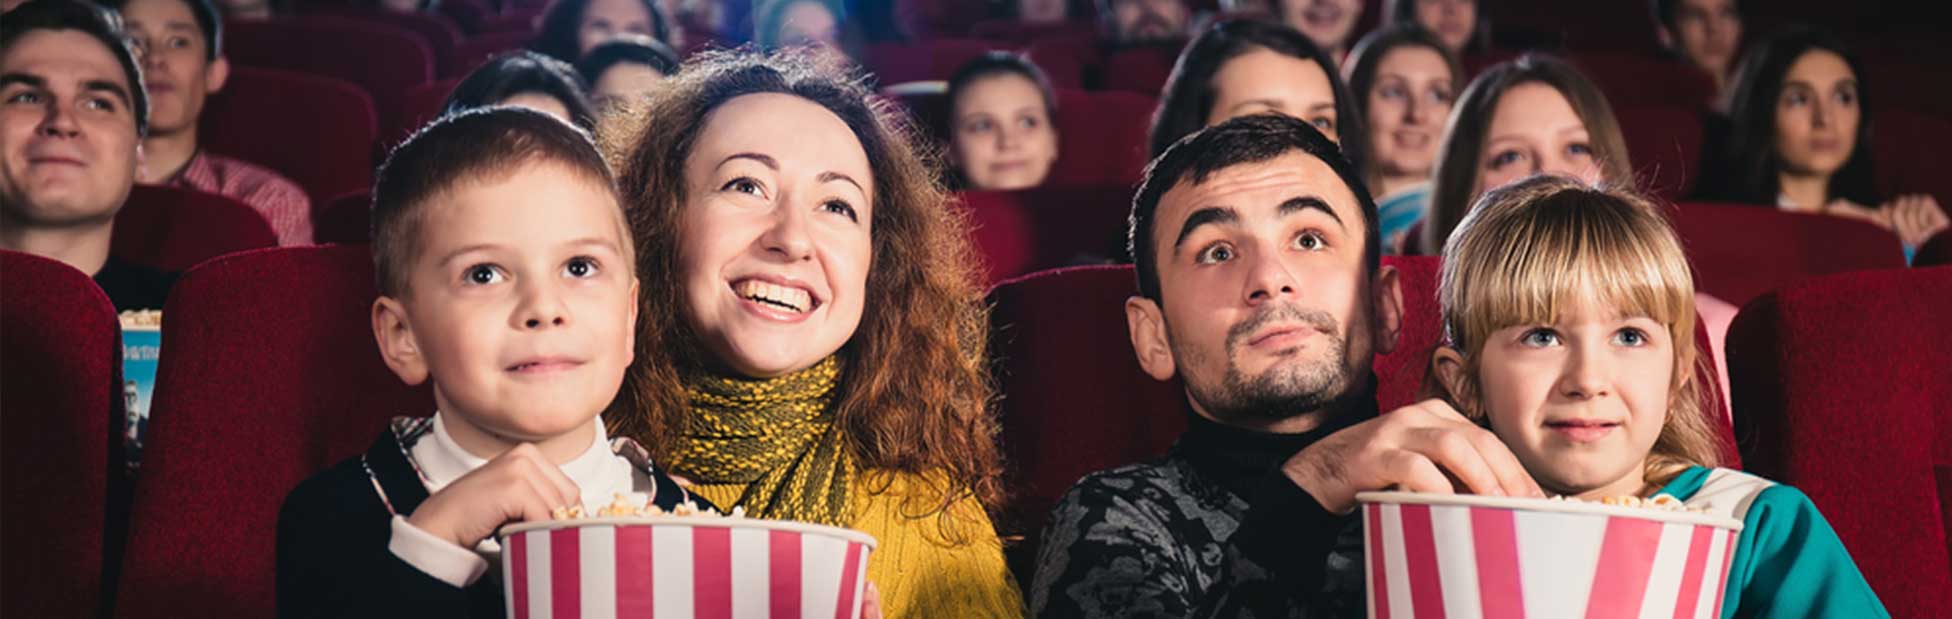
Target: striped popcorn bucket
x,y
1461,556
683,566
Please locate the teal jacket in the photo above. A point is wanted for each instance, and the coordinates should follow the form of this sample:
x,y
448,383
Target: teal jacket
x,y
1788,562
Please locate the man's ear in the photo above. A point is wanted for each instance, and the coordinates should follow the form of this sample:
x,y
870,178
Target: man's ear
x,y
1388,290
215,74
397,344
1448,368
1146,323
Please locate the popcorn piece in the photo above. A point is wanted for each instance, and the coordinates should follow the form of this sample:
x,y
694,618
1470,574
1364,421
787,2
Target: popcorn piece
x,y
636,505
1659,502
141,318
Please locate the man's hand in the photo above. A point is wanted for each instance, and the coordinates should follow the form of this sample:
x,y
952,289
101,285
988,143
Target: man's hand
x,y
520,485
1417,448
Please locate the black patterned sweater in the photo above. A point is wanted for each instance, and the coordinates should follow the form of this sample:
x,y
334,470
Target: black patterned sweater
x,y
1212,529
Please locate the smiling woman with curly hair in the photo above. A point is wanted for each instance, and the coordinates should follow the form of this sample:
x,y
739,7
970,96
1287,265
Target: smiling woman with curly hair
x,y
811,335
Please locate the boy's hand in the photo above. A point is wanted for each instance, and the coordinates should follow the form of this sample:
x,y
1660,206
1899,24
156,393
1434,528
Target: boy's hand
x,y
1418,448
517,486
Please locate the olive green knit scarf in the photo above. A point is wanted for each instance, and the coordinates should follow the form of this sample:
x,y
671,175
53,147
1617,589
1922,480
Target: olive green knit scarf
x,y
776,435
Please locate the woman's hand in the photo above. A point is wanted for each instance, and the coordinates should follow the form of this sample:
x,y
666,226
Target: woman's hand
x,y
1915,218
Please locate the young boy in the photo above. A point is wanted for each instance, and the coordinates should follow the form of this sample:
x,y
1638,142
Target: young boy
x,y
506,277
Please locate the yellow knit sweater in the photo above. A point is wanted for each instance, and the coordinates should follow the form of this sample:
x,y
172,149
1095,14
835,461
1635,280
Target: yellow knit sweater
x,y
934,565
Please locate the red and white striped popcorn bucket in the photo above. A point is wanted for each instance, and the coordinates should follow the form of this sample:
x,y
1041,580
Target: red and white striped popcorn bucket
x,y
683,566
1463,556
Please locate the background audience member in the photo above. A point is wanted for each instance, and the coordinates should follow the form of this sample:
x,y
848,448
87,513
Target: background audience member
x,y
527,79
784,23
179,42
571,28
253,10
625,69
72,117
1126,22
1455,22
1243,66
1330,24
1246,8
1705,33
1000,130
1403,81
1043,11
1799,138
1532,115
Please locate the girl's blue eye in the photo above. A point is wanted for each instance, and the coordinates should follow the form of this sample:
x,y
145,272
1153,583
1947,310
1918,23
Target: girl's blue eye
x,y
1630,337
1539,338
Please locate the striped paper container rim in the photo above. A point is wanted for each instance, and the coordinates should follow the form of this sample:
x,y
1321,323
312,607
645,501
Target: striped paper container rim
x,y
1566,506
718,522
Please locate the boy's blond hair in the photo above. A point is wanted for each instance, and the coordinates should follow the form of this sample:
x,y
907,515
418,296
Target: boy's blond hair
x,y
1527,250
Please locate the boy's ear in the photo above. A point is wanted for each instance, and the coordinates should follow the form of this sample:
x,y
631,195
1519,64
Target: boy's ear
x,y
1448,367
1146,324
215,74
1388,288
397,345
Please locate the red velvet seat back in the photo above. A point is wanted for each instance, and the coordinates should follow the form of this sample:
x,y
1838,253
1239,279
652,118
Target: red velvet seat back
x,y
1843,385
1141,69
1907,146
269,374
1936,251
424,104
440,32
895,63
479,48
1742,251
1664,144
1074,398
345,219
1101,138
1631,79
384,59
1058,226
60,368
316,131
171,229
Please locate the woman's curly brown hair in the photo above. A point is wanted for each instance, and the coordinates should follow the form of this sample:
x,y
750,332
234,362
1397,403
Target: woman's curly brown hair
x,y
916,397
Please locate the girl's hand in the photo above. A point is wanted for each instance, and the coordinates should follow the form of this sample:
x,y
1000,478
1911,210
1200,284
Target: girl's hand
x,y
1915,218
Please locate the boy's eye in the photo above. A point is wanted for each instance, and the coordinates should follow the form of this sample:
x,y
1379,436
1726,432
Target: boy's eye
x,y
581,267
482,275
1630,337
744,185
25,96
841,208
1539,338
1215,254
1310,241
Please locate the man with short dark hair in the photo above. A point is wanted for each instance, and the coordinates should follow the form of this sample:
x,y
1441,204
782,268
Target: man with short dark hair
x,y
1260,286
1144,21
72,116
181,46
1705,33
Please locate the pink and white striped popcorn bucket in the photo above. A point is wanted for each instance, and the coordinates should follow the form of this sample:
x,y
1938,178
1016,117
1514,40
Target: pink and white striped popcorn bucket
x,y
1463,556
683,566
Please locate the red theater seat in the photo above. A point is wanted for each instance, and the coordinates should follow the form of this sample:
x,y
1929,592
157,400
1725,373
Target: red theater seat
x,y
1632,79
1935,252
440,32
1844,387
1015,31
1907,146
345,219
61,372
317,131
479,48
1059,226
424,104
384,59
895,63
269,374
1141,68
1664,143
1741,251
174,229
1102,138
